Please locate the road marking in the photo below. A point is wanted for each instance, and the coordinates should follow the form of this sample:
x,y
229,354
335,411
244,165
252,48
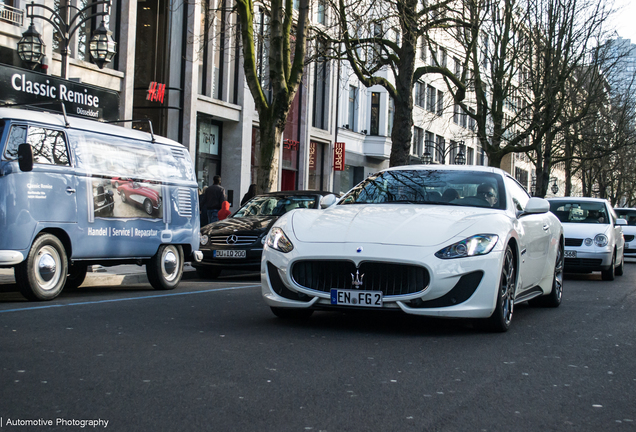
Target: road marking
x,y
129,298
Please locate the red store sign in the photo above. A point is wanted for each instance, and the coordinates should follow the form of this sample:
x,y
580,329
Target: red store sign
x,y
339,156
156,92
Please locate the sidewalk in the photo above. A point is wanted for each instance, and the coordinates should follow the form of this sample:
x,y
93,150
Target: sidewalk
x,y
109,276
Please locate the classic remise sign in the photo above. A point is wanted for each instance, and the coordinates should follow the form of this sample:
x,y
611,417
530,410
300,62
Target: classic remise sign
x,y
23,87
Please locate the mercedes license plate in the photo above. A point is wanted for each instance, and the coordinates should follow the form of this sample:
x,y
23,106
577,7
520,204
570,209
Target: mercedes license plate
x,y
228,254
570,254
356,298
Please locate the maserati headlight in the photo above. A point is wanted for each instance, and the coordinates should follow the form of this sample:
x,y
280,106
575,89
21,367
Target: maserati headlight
x,y
203,239
600,240
475,245
276,239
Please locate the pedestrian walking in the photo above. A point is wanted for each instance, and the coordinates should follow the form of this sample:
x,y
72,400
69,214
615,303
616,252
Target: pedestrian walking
x,y
251,193
213,198
203,209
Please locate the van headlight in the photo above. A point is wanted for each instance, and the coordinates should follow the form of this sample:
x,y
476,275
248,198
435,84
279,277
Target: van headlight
x,y
276,239
475,245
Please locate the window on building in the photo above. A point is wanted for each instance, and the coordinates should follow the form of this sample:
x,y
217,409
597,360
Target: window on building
x,y
423,49
321,88
458,67
390,116
322,12
470,156
430,98
418,141
440,147
457,112
353,100
440,102
429,143
471,121
522,177
420,96
375,114
444,58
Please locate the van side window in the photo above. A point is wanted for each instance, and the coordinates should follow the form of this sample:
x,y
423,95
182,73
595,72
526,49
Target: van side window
x,y
49,146
16,137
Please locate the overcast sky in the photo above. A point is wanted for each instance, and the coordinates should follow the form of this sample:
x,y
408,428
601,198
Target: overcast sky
x,y
625,19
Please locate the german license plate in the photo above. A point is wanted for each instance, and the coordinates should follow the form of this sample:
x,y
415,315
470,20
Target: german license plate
x,y
356,298
228,254
570,254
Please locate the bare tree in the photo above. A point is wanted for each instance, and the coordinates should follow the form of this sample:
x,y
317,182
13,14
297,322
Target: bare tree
x,y
286,38
379,39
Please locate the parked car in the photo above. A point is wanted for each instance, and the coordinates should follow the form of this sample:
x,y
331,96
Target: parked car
x,y
137,194
399,241
593,235
629,230
237,241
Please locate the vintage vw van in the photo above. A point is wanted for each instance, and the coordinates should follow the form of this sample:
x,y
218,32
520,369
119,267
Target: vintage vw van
x,y
76,192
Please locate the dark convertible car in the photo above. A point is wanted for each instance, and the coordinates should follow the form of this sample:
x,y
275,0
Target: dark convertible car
x,y
237,242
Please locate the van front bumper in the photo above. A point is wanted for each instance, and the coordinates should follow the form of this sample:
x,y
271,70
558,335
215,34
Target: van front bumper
x,y
9,257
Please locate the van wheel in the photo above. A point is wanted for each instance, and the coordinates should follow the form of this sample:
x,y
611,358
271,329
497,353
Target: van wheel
x,y
148,206
76,276
43,274
165,268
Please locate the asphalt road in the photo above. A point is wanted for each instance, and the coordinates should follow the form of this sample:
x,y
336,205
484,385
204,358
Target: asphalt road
x,y
212,357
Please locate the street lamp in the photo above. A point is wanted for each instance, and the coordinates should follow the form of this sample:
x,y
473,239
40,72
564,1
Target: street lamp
x,y
555,186
102,47
31,46
460,157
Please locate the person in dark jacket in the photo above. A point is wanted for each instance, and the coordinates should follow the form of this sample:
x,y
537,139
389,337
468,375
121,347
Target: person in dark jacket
x,y
203,210
251,193
213,198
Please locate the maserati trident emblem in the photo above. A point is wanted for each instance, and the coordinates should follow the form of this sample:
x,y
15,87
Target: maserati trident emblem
x,y
356,280
232,239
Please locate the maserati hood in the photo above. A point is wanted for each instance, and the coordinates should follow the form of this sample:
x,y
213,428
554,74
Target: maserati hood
x,y
406,225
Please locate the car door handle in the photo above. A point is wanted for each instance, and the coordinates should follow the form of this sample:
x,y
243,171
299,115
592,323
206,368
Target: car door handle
x,y
546,227
70,190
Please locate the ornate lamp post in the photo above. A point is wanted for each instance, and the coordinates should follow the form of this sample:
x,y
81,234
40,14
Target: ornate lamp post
x,y
102,47
460,158
555,186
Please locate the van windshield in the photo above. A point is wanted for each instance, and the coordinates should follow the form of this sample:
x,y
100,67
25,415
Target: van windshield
x,y
120,157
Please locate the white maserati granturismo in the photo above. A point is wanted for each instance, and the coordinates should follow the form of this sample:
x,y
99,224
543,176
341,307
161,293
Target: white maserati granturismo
x,y
444,241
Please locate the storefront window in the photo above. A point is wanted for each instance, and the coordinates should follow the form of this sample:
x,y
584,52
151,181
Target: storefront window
x,y
208,151
316,160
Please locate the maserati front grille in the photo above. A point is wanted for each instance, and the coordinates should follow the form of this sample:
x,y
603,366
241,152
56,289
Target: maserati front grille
x,y
391,279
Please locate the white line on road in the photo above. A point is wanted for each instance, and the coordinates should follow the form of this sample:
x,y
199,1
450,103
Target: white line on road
x,y
129,298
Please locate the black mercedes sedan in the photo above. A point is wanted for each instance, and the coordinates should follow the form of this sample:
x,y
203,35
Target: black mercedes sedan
x,y
236,243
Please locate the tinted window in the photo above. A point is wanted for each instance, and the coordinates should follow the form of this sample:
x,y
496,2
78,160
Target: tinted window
x,y
275,205
461,188
580,211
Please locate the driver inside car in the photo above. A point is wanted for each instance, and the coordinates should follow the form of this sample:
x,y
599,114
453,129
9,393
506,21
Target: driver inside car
x,y
487,192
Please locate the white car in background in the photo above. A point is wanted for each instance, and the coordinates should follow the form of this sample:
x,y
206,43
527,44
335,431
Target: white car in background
x,y
444,241
629,230
593,235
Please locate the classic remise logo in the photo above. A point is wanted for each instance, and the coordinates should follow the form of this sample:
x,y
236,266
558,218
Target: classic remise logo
x,y
356,280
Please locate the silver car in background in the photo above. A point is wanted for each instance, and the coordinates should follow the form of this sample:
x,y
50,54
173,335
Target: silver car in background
x,y
629,230
593,235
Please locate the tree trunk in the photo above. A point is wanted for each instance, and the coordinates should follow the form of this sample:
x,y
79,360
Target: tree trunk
x,y
267,170
402,133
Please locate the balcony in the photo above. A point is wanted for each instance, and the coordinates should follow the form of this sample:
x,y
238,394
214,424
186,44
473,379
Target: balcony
x,y
11,15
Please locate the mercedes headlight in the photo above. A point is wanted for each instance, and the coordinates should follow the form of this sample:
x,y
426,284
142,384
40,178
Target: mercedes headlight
x,y
600,240
475,245
203,239
276,239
